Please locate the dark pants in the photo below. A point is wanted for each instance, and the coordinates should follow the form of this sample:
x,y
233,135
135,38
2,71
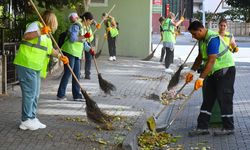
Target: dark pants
x,y
169,58
87,67
74,63
218,86
162,53
112,45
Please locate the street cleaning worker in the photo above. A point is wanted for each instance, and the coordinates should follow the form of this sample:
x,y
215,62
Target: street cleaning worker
x,y
227,36
89,52
111,32
161,20
73,49
169,39
217,77
31,63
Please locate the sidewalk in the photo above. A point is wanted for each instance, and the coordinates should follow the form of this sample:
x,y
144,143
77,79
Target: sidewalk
x,y
68,128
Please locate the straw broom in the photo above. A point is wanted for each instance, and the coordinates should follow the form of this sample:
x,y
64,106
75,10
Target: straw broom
x,y
106,86
93,111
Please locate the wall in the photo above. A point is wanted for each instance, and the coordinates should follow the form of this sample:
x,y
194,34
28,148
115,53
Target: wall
x,y
134,17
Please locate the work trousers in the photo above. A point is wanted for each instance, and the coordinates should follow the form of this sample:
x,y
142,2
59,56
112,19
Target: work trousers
x,y
87,67
163,49
30,82
74,63
218,86
169,58
112,45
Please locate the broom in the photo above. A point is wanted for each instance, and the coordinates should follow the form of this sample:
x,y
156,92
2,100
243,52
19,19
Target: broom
x,y
106,86
175,78
93,111
150,56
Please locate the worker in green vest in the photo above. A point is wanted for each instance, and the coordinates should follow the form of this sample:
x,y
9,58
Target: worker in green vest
x,y
31,63
169,39
218,78
227,36
73,49
112,32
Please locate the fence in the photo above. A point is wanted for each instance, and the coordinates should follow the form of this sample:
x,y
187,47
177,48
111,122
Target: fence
x,y
236,28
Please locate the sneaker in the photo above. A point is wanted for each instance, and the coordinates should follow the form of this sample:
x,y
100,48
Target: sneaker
x,y
79,99
168,70
64,98
197,132
29,125
87,77
114,58
110,58
41,125
223,132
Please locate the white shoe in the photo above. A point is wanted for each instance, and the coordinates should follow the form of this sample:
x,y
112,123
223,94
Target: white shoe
x,y
110,58
168,70
41,125
114,58
28,124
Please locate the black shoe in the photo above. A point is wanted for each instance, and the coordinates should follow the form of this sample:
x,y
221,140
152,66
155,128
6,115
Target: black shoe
x,y
223,132
197,132
87,77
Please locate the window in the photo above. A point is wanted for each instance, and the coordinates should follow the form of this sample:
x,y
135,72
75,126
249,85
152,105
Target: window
x,y
99,3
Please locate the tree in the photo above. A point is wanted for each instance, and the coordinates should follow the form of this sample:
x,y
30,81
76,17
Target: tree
x,y
242,7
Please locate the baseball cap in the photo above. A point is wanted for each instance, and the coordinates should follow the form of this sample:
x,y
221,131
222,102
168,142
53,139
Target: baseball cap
x,y
73,15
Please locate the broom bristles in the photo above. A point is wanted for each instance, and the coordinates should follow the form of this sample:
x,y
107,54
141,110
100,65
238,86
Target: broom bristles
x,y
150,56
98,53
175,79
106,86
94,113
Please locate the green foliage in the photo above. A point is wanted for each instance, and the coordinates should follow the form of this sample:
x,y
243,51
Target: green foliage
x,y
240,10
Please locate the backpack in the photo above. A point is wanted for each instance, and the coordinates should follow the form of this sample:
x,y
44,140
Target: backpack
x,y
62,38
64,35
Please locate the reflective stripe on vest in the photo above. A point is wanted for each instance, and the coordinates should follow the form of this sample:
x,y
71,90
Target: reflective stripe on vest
x,y
34,53
224,57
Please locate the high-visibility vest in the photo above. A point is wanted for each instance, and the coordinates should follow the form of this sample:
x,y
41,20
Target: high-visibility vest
x,y
34,54
168,34
113,30
74,48
88,29
227,39
224,57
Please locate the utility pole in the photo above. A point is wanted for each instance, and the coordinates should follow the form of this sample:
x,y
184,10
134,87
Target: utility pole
x,y
203,13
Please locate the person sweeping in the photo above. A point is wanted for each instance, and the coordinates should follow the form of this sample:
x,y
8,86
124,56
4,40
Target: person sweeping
x,y
31,63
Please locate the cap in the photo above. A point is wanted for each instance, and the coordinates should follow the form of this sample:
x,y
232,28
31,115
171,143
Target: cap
x,y
73,15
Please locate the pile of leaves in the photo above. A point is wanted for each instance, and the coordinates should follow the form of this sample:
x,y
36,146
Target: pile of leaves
x,y
168,96
151,140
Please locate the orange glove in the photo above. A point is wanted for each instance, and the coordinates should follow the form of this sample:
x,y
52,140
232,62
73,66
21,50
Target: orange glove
x,y
64,59
92,52
45,30
87,35
198,83
236,49
182,18
108,29
189,76
98,26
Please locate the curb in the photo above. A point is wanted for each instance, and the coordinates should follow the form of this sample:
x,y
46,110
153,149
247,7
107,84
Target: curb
x,y
130,142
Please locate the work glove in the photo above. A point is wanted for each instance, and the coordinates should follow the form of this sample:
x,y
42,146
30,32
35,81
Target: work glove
x,y
45,30
64,59
182,18
235,49
198,83
92,51
189,76
98,26
87,35
108,29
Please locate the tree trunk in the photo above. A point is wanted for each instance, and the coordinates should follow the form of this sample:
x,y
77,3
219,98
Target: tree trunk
x,y
83,7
